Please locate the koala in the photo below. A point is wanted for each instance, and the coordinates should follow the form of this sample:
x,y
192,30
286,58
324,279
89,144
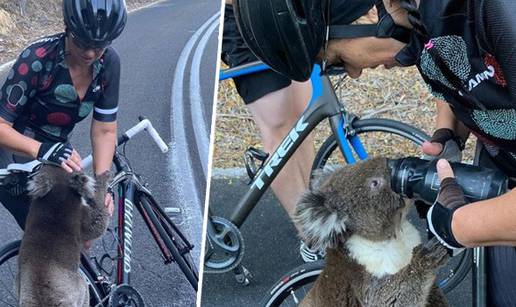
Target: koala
x,y
374,256
67,209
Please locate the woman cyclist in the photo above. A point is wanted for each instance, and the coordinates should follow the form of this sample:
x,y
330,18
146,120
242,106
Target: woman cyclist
x,y
464,50
55,83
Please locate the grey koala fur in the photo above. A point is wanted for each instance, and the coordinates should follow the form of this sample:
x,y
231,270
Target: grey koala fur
x,y
67,209
373,254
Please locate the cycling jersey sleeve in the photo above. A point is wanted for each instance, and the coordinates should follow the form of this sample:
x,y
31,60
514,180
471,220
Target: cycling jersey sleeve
x,y
107,106
498,21
20,85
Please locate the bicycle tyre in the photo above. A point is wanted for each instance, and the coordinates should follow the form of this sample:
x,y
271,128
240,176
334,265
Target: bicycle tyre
x,y
303,275
418,137
11,250
179,258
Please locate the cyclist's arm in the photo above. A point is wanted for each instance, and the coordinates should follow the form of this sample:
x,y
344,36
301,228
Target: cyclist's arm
x,y
17,142
446,119
15,94
483,223
103,125
103,142
487,223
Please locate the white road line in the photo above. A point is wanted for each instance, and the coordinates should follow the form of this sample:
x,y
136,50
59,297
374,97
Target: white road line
x,y
181,170
197,107
145,6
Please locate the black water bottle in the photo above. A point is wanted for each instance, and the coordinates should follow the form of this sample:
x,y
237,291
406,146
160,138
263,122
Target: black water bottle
x,y
417,178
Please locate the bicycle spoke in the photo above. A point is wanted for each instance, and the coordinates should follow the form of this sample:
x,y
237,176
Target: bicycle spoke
x,y
9,288
294,297
4,303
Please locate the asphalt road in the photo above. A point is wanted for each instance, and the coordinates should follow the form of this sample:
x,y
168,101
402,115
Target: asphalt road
x,y
271,250
150,48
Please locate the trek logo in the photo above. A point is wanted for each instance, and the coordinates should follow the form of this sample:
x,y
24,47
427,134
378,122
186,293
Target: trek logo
x,y
481,77
280,153
128,234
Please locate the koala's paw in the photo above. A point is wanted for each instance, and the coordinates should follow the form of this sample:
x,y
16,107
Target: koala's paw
x,y
432,254
83,184
104,178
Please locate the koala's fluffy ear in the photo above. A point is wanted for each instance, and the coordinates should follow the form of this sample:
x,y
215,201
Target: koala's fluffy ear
x,y
321,225
40,185
83,184
319,176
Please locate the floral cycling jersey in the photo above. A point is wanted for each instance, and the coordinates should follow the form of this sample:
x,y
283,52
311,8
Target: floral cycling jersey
x,y
40,100
476,40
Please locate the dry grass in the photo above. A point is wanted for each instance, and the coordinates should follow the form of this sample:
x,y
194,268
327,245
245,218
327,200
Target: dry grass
x,y
398,94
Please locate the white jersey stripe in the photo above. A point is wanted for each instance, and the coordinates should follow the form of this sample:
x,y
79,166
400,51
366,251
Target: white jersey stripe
x,y
106,111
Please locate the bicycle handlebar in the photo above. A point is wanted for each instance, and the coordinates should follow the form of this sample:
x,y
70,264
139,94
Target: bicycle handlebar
x,y
144,124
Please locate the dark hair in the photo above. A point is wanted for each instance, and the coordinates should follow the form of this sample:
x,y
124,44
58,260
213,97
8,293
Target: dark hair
x,y
415,18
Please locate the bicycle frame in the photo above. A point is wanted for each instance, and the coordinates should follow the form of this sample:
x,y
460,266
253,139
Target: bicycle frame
x,y
130,190
323,104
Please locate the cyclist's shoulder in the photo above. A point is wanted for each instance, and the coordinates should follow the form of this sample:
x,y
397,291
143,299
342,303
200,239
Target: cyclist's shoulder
x,y
44,47
110,56
110,63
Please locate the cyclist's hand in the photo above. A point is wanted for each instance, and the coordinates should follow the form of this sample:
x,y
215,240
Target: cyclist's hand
x,y
449,199
75,161
444,144
60,154
108,202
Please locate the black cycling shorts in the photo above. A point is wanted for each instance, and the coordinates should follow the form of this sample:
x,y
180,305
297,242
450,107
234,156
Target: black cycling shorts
x,y
17,205
235,52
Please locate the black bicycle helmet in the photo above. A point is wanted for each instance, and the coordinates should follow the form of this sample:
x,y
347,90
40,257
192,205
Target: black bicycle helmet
x,y
95,23
287,35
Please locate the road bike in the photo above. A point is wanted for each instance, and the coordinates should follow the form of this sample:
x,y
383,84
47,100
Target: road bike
x,y
348,143
109,276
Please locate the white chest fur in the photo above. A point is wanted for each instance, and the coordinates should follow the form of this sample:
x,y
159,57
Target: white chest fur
x,y
385,257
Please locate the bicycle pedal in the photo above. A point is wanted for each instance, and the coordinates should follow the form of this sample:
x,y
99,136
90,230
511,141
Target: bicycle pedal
x,y
173,210
250,156
243,276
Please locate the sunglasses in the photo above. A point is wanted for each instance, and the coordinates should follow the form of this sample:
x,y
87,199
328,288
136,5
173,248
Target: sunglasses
x,y
97,47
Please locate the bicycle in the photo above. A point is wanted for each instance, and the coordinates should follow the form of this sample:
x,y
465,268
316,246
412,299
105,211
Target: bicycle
x,y
132,194
225,245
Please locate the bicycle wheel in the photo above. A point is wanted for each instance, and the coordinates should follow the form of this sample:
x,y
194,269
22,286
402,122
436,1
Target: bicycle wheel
x,y
175,241
9,270
293,287
395,140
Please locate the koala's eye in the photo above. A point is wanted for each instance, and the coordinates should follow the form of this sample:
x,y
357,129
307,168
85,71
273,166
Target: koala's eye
x,y
376,183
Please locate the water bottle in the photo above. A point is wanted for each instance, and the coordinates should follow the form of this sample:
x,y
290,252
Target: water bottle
x,y
417,179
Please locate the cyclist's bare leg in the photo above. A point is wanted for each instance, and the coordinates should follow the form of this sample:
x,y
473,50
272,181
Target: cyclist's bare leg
x,y
275,114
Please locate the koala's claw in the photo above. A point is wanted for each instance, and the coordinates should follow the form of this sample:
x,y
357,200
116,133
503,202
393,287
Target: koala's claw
x,y
432,254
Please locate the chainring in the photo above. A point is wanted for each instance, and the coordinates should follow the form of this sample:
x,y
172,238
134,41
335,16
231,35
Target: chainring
x,y
226,247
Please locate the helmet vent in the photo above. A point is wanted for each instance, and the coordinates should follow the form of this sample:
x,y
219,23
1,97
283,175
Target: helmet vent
x,y
299,9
